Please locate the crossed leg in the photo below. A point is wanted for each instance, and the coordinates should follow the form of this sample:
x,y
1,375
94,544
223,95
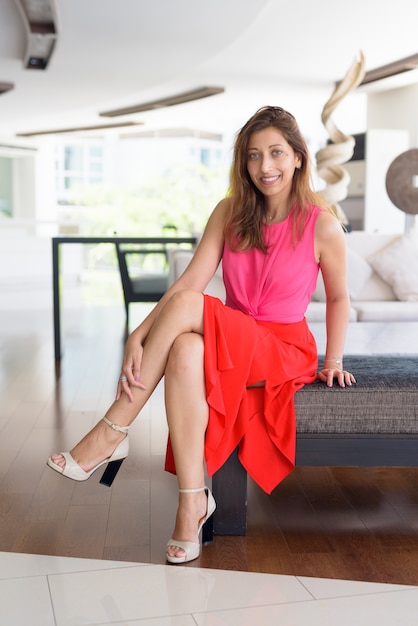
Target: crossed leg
x,y
174,347
183,313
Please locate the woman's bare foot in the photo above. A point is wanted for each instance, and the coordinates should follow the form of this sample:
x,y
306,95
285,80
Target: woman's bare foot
x,y
95,447
191,510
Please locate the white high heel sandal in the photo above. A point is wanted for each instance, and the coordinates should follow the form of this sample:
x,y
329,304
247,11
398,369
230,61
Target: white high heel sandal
x,y
191,549
73,470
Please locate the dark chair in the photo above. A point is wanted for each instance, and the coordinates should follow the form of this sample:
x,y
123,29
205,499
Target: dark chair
x,y
140,283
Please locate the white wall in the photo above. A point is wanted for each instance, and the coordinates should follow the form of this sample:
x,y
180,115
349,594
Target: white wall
x,y
45,204
395,109
24,206
396,112
382,147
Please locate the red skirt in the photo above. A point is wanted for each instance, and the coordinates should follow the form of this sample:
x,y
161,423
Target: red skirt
x,y
239,352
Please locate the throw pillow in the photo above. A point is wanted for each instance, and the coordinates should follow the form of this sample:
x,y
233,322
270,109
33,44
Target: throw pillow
x,y
397,264
358,272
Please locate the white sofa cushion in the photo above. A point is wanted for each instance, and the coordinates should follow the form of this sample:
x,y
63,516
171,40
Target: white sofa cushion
x,y
395,311
358,272
375,289
316,312
366,244
397,264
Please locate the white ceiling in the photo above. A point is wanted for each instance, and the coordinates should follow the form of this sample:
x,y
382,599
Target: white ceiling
x,y
112,54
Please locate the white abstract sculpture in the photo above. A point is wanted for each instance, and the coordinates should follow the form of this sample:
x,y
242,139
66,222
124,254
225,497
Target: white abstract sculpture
x,y
330,158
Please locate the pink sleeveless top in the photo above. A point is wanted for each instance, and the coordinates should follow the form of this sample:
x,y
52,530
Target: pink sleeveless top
x,y
277,286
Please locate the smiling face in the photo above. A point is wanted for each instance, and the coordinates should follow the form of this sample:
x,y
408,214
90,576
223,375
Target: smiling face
x,y
271,164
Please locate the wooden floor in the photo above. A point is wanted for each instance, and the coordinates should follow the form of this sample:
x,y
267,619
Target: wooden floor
x,y
324,522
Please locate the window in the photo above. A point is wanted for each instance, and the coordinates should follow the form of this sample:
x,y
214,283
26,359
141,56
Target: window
x,y
78,163
6,186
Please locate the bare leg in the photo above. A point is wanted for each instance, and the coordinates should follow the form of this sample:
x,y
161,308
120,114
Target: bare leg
x,y
183,313
187,415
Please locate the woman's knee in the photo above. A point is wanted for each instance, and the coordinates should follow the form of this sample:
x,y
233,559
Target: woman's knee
x,y
185,310
186,354
186,301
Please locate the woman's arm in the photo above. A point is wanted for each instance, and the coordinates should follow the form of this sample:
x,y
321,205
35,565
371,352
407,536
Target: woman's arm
x,y
330,248
201,268
196,276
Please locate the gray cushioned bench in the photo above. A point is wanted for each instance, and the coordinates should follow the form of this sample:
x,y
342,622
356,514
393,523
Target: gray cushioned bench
x,y
372,423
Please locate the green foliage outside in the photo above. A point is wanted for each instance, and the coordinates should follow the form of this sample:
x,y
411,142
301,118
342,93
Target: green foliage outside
x,y
178,203
183,198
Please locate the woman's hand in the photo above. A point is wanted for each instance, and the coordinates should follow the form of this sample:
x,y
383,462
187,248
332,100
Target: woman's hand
x,y
131,367
197,275
327,375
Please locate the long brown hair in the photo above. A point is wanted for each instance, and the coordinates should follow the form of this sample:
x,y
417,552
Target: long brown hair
x,y
248,209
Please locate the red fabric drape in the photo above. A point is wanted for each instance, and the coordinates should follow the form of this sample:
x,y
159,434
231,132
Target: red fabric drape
x,y
239,351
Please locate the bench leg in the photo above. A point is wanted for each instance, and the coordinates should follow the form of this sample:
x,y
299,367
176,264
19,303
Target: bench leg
x,y
230,517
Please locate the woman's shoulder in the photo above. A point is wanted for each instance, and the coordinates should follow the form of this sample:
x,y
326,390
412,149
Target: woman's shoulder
x,y
327,225
224,205
222,211
326,218
216,223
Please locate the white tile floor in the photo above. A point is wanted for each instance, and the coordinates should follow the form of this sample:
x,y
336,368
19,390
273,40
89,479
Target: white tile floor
x,y
55,591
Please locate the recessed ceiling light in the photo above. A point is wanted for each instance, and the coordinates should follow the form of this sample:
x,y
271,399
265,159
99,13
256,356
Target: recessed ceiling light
x,y
4,87
58,131
165,133
391,69
181,98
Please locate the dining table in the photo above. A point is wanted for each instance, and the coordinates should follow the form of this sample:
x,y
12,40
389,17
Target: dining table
x,y
59,241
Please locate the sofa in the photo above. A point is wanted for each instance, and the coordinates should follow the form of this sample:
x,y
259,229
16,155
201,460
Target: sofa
x,y
382,277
